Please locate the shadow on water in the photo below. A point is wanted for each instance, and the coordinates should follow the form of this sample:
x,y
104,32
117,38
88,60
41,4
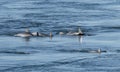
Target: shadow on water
x,y
13,52
27,39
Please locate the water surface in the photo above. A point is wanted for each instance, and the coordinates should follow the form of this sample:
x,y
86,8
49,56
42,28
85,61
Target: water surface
x,y
98,19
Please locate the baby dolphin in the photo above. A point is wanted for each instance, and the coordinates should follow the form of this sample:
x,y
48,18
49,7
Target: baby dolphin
x,y
27,33
95,51
76,33
41,34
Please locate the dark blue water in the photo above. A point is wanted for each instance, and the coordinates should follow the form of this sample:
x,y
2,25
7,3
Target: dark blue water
x,y
98,19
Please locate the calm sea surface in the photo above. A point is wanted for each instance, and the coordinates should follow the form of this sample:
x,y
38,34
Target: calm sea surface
x,y
98,19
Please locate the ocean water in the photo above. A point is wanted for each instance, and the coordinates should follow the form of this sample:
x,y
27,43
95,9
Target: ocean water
x,y
98,19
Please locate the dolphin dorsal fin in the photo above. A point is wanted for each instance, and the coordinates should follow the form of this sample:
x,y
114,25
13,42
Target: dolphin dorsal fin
x,y
79,30
51,34
99,50
37,33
